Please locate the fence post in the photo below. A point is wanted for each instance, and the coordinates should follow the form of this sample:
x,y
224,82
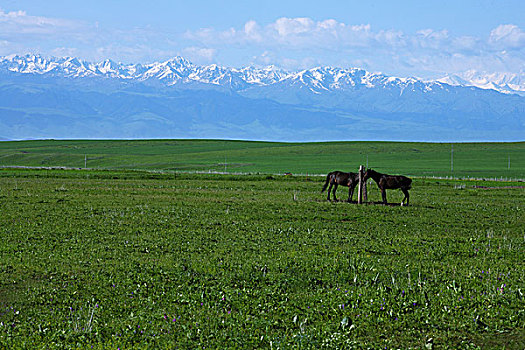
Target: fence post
x,y
360,188
365,192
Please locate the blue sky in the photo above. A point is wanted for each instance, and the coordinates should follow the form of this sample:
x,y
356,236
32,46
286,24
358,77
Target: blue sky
x,y
428,39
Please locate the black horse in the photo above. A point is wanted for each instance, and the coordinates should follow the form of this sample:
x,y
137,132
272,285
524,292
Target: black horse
x,y
390,182
336,178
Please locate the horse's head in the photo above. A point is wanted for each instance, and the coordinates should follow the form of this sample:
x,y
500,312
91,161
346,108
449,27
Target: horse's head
x,y
369,173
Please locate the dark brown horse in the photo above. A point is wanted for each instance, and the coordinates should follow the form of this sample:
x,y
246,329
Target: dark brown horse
x,y
390,182
336,178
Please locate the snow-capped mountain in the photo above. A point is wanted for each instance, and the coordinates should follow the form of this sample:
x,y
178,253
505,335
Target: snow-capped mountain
x,y
72,98
178,70
171,72
508,83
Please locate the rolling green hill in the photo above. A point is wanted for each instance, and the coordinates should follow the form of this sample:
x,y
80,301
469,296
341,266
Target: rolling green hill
x,y
489,160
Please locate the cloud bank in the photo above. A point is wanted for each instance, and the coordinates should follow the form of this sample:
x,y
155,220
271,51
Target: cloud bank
x,y
299,42
291,43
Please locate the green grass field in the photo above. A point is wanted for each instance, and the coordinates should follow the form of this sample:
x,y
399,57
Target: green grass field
x,y
131,259
490,160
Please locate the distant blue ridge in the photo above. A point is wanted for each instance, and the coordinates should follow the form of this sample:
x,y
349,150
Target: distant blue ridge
x,y
49,98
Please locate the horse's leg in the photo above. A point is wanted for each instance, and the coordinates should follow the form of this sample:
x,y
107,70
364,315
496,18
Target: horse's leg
x,y
329,189
350,193
383,194
335,189
407,196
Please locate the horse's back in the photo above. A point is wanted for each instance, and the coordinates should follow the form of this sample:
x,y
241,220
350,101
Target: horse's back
x,y
394,181
342,178
337,173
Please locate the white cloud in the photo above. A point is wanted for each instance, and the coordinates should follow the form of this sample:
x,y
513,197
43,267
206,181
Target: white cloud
x,y
199,55
468,43
432,39
293,26
64,52
252,31
292,43
507,36
292,32
300,33
427,53
22,33
20,23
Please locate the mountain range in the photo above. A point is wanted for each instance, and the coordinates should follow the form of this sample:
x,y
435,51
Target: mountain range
x,y
72,98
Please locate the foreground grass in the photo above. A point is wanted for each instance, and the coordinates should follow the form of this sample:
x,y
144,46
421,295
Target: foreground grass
x,y
136,260
411,158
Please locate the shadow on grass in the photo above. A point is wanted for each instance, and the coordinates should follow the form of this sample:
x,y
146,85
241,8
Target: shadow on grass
x,y
417,205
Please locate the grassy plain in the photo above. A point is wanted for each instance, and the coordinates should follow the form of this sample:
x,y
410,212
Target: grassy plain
x,y
488,160
129,259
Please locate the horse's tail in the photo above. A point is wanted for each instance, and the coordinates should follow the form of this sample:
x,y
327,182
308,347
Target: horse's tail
x,y
326,182
409,183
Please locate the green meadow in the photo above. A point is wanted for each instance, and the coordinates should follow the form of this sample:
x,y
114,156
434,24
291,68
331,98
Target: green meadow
x,y
141,252
489,160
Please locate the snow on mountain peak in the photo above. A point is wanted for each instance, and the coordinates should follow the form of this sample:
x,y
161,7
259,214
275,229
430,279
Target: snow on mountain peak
x,y
178,70
505,82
